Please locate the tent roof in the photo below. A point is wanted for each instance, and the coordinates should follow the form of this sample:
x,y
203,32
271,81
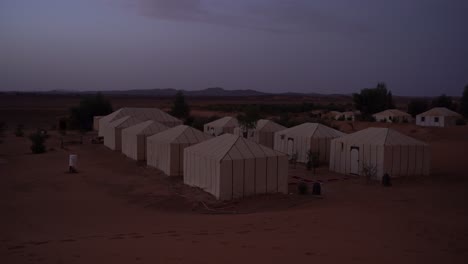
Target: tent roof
x,y
142,113
232,147
227,121
125,121
440,111
380,136
268,125
312,130
180,134
392,112
149,127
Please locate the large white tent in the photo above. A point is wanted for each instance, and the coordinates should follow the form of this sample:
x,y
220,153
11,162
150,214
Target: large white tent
x,y
392,116
165,150
383,149
304,138
221,126
438,117
232,167
143,114
263,133
134,138
113,131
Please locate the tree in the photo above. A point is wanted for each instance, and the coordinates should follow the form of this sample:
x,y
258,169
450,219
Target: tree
x,y
3,127
372,100
38,139
417,106
81,116
443,101
464,102
180,109
248,119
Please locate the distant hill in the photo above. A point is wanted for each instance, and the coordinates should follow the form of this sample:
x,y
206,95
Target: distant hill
x,y
169,92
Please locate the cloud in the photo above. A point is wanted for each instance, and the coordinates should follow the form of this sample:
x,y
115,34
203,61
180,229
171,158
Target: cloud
x,y
296,16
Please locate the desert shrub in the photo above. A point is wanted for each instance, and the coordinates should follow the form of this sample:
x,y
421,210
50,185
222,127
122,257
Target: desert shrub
x,y
19,131
38,140
302,188
460,122
369,171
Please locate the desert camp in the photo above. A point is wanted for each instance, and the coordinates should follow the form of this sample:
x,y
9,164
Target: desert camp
x,y
232,132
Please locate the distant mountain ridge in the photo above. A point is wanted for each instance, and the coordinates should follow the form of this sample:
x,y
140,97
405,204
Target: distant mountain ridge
x,y
170,92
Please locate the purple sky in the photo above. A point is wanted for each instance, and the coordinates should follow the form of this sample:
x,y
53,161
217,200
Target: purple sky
x,y
418,47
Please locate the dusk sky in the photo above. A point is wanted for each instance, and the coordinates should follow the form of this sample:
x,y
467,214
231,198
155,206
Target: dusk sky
x,y
418,47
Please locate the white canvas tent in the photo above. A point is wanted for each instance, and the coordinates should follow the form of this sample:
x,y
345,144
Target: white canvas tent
x,y
263,133
134,138
165,150
221,126
302,138
143,114
384,149
113,131
392,116
232,167
438,117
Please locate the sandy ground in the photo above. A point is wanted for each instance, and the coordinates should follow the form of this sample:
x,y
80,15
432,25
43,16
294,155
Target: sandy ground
x,y
118,211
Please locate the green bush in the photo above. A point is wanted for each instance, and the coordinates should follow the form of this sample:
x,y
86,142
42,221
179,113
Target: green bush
x,y
303,188
38,139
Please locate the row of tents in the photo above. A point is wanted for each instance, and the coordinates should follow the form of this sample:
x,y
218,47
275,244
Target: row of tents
x,y
435,117
230,162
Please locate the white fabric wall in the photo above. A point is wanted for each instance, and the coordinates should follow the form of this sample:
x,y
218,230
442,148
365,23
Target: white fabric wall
x,y
113,138
217,130
396,160
236,178
96,123
301,145
168,157
134,146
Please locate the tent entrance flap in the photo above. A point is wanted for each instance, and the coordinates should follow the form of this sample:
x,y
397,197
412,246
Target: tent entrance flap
x,y
354,168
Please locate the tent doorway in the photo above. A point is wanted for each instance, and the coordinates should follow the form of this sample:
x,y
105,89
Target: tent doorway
x,y
354,169
290,147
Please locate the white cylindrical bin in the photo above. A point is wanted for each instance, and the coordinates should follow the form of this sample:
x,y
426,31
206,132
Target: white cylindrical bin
x,y
73,162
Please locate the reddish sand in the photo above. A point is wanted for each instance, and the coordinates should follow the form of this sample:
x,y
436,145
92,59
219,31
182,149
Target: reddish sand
x,y
117,211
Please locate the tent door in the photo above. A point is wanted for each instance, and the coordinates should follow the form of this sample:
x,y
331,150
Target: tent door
x,y
290,147
354,169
